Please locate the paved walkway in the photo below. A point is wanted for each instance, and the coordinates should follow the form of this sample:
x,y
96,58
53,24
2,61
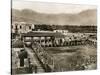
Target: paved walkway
x,y
34,60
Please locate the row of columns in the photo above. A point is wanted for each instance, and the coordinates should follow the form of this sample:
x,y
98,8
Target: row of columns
x,y
60,42
57,42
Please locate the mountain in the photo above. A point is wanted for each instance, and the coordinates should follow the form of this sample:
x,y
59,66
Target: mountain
x,y
87,17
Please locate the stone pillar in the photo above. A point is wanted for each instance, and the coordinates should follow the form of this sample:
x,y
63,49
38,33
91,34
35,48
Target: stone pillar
x,y
40,40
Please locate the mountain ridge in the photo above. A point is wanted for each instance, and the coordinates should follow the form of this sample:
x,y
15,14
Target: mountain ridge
x,y
86,17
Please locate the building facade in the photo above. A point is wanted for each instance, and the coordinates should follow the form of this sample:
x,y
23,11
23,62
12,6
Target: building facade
x,y
21,27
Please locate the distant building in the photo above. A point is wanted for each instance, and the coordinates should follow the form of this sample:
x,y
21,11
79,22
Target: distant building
x,y
62,31
21,27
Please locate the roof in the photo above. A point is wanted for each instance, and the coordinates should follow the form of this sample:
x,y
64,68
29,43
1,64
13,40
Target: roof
x,y
43,34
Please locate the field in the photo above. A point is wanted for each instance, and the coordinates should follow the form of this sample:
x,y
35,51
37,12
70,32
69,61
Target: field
x,y
73,57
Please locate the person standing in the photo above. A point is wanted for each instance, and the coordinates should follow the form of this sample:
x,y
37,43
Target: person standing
x,y
22,55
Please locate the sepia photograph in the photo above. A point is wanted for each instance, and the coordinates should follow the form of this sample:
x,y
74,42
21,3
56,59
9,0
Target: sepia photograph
x,y
52,37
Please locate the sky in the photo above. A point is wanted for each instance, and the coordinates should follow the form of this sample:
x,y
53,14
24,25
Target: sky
x,y
45,7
